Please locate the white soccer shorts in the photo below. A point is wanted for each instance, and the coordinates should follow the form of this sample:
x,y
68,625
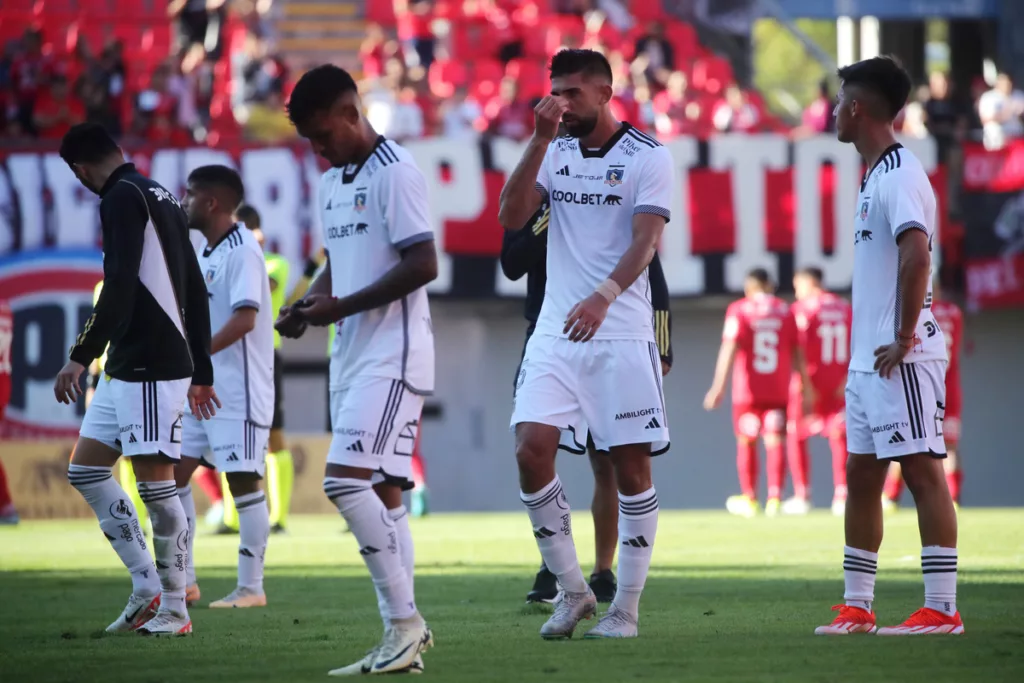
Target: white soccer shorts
x,y
898,416
374,423
611,386
227,444
137,418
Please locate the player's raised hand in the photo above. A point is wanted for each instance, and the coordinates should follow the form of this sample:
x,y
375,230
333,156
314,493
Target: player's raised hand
x,y
318,309
289,323
547,115
585,318
66,387
202,402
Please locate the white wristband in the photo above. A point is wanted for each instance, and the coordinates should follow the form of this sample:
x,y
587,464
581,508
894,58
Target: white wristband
x,y
609,289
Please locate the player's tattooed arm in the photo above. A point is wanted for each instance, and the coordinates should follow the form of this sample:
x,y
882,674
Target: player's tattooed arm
x,y
647,229
662,314
520,197
523,249
417,268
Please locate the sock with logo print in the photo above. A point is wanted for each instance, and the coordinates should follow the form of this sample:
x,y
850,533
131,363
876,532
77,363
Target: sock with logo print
x,y
170,541
552,527
638,525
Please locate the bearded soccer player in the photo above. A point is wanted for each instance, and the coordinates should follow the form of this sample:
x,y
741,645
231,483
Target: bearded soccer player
x,y
153,313
895,392
823,334
381,256
524,252
951,321
593,359
760,340
235,441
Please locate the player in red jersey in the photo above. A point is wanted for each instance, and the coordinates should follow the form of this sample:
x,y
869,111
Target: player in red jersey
x,y
760,336
823,333
8,515
951,321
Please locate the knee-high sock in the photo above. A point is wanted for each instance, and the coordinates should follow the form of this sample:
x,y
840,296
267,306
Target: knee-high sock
x,y
188,504
119,522
280,480
799,466
127,477
375,532
746,467
400,516
5,491
170,540
837,443
638,526
954,481
776,467
230,512
552,527
253,531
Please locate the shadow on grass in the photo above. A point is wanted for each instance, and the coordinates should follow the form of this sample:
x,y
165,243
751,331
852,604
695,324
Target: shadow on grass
x,y
695,627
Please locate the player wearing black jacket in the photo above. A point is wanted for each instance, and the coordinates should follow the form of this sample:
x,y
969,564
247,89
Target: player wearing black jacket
x,y
153,312
524,252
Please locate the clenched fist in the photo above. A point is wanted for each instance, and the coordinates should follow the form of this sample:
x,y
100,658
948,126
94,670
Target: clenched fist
x,y
547,115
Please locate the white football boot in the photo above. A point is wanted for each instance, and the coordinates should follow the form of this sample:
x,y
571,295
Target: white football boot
x,y
167,623
570,610
616,623
140,609
402,644
241,597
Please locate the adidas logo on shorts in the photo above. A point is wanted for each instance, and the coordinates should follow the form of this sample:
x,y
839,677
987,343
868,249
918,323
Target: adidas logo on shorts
x,y
897,438
132,439
233,457
357,447
653,424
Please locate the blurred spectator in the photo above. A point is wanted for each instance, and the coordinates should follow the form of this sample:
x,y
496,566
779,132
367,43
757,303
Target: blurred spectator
x,y
267,122
30,71
944,115
735,113
56,110
670,116
200,22
507,115
154,101
164,132
416,32
819,116
654,53
459,115
371,51
1000,110
914,114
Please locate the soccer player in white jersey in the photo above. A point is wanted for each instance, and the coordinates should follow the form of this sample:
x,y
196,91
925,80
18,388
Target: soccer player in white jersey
x,y
593,359
241,317
380,257
895,390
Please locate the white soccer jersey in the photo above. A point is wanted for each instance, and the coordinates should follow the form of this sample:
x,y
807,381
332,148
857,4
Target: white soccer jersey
x,y
243,373
371,212
895,196
594,195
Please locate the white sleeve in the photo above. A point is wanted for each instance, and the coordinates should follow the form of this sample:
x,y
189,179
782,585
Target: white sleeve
x,y
654,186
908,202
247,272
543,178
405,208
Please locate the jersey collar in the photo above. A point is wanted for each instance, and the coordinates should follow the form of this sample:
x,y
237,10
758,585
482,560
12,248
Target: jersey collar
x,y
891,148
211,247
349,173
607,147
119,172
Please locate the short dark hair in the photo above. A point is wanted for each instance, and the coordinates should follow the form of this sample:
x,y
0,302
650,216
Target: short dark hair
x,y
813,272
578,61
884,76
87,143
248,215
222,178
317,90
761,276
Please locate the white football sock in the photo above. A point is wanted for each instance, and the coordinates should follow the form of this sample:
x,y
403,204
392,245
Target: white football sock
x,y
119,523
638,525
253,532
170,540
859,569
378,542
188,504
400,516
938,565
552,527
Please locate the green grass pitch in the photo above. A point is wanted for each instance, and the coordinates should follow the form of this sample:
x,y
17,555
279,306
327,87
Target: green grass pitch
x,y
728,600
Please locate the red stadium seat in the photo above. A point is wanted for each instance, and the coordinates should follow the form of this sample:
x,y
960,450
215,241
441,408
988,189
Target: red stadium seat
x,y
381,12
712,74
445,75
646,10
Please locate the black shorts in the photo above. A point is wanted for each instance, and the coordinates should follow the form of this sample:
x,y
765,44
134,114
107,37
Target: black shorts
x,y
278,421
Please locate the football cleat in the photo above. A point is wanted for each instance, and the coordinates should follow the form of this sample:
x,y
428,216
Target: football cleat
x,y
603,584
796,506
362,667
241,597
772,507
140,609
192,594
889,505
167,623
616,623
926,621
850,619
742,506
570,610
403,642
545,587
839,507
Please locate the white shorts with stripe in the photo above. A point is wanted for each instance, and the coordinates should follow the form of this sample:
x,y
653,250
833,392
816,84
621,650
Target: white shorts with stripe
x,y
374,423
898,416
137,418
227,444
